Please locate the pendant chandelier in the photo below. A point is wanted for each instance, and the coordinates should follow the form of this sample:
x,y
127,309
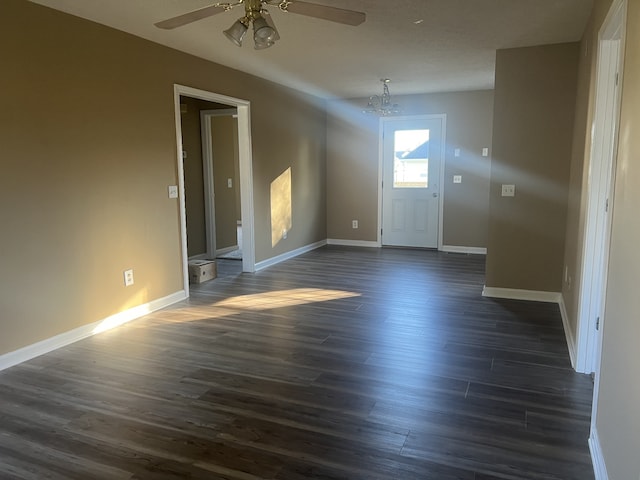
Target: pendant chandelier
x,y
381,105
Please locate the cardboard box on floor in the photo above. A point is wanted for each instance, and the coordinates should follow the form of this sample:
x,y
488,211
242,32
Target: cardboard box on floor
x,y
201,271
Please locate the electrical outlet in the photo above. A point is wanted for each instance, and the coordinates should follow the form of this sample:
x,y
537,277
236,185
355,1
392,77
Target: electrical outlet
x,y
128,278
284,234
229,183
354,223
457,179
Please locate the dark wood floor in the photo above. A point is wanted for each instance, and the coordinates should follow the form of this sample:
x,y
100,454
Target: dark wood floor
x,y
340,364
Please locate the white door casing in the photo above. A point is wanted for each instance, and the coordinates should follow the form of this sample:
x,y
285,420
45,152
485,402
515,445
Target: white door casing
x,y
412,158
207,171
600,195
600,189
246,174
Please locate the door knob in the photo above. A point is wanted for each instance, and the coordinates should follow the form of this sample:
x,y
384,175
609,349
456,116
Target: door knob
x,y
435,195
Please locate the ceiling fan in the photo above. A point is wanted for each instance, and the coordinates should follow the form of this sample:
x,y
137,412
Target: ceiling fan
x,y
264,30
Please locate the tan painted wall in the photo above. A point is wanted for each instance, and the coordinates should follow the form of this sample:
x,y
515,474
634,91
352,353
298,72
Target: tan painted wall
x,y
534,107
88,149
224,134
353,162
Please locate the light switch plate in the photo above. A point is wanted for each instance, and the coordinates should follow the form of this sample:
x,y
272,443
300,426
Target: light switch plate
x,y
456,152
457,179
485,152
508,190
229,183
173,191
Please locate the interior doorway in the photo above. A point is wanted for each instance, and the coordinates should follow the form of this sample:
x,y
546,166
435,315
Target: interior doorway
x,y
242,108
221,174
412,168
592,295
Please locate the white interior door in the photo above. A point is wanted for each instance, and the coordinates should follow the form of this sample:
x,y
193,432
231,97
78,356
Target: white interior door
x,y
412,153
600,197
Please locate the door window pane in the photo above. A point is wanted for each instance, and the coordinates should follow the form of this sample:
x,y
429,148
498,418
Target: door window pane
x,y
411,159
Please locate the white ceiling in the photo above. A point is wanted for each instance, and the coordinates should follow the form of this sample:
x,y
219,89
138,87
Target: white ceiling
x,y
452,49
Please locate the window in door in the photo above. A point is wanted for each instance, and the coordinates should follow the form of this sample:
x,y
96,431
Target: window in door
x,y
411,159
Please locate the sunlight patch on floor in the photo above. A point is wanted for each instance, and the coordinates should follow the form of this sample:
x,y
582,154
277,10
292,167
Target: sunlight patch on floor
x,y
254,303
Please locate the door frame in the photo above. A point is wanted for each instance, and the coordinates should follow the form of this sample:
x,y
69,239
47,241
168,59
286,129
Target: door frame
x,y
600,185
384,121
207,172
603,154
246,173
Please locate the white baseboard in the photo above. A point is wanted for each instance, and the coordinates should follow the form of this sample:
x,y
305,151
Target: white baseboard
x,y
597,458
224,251
288,255
36,349
516,294
353,243
538,296
471,250
571,344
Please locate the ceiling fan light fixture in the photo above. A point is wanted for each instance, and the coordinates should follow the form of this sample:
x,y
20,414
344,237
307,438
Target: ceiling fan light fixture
x,y
236,32
263,33
262,46
269,20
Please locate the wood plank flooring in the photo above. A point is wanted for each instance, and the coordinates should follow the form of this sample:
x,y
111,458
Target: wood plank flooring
x,y
343,363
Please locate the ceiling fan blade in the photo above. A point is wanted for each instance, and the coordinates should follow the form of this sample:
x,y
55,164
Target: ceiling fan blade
x,y
333,14
190,17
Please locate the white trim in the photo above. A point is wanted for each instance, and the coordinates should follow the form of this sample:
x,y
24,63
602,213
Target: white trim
x,y
470,250
45,346
443,165
208,175
200,256
612,35
224,251
597,458
517,294
568,333
246,173
600,186
289,255
443,118
245,158
380,178
353,243
181,198
207,181
538,296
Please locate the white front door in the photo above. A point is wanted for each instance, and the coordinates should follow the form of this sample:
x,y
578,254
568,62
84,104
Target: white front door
x,y
412,153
